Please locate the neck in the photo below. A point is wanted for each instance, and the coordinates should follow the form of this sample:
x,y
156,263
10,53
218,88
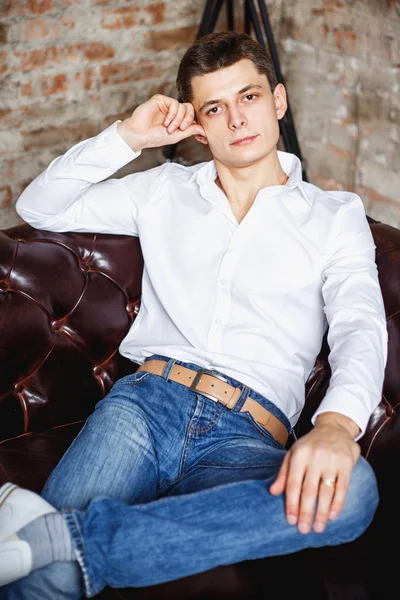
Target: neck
x,y
242,184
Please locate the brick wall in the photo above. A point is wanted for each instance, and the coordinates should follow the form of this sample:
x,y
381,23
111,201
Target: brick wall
x,y
69,68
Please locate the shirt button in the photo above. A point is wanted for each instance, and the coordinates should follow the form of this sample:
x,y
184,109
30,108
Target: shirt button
x,y
218,321
224,281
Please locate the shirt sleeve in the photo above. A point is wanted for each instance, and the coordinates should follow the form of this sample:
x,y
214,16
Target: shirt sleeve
x,y
71,194
353,305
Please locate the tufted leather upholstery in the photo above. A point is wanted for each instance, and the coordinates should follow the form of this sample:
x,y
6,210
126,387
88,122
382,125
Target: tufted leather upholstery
x,y
66,302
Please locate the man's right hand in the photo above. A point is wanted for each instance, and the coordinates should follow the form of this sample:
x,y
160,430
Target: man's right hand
x,y
159,122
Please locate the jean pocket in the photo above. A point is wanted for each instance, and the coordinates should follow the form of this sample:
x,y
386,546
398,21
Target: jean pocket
x,y
263,430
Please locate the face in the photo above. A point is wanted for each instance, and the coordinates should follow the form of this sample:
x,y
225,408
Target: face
x,y
239,113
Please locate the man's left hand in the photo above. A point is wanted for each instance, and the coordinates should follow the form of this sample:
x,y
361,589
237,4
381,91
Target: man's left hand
x,y
328,453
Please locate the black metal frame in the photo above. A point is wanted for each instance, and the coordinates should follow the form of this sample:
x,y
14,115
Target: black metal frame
x,y
208,22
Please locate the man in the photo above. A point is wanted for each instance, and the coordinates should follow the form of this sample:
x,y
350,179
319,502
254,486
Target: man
x,y
178,469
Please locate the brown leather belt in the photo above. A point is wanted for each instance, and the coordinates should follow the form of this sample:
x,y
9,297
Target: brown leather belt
x,y
218,389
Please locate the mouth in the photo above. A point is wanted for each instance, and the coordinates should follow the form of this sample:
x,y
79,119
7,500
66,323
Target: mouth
x,y
244,141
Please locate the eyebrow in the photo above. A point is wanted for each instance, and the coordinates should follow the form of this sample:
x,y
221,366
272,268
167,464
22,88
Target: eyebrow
x,y
251,86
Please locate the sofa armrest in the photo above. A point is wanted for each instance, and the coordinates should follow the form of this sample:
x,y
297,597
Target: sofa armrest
x,y
66,302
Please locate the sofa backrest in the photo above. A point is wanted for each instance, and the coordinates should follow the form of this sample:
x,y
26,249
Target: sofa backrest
x,y
66,302
68,299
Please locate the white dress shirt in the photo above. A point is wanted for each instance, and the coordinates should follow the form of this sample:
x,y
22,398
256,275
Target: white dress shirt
x,y
252,300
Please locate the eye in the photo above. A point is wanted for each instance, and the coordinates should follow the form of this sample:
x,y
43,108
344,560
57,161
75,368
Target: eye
x,y
251,96
212,110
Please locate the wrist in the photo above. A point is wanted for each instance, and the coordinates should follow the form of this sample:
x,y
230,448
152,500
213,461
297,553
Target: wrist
x,y
130,137
336,419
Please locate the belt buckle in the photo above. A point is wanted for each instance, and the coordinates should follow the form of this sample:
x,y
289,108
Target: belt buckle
x,y
197,378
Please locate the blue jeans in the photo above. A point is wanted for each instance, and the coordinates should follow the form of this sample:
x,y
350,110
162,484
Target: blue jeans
x,y
163,482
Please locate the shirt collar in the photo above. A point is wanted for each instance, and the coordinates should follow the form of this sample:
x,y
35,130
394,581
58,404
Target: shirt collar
x,y
206,174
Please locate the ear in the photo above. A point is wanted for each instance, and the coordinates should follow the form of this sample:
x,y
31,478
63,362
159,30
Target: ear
x,y
280,100
202,139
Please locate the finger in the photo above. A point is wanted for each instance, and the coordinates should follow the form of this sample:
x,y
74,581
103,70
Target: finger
x,y
177,120
172,111
324,502
307,500
193,129
290,478
280,482
341,489
188,118
294,494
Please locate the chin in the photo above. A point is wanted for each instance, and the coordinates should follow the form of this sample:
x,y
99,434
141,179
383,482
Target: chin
x,y
241,156
246,158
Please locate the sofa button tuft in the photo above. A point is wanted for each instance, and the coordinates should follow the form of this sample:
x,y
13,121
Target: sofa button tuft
x,y
18,387
3,286
97,370
56,325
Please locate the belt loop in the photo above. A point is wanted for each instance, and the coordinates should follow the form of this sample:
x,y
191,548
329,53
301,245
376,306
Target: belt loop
x,y
242,399
168,367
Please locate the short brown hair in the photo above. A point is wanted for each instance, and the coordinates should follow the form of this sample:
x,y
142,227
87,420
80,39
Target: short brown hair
x,y
217,50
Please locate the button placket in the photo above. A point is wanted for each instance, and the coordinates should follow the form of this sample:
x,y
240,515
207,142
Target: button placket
x,y
223,301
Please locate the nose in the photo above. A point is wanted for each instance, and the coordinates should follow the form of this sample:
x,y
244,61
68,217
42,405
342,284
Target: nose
x,y
236,119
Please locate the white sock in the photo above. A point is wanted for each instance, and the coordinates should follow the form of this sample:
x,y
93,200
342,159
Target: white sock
x,y
49,540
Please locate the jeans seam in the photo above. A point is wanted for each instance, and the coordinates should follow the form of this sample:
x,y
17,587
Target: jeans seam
x,y
91,589
185,453
121,382
240,466
142,379
192,433
266,434
168,482
210,424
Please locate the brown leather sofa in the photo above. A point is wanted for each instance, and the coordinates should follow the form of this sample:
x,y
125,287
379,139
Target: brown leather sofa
x,y
66,301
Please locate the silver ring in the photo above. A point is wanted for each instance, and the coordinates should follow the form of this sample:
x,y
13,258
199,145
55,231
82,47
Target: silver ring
x,y
329,481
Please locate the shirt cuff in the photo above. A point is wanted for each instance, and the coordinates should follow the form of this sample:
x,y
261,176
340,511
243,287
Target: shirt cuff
x,y
117,151
345,403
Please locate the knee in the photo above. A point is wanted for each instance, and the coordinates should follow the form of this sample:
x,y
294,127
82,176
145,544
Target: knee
x,y
59,494
362,497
